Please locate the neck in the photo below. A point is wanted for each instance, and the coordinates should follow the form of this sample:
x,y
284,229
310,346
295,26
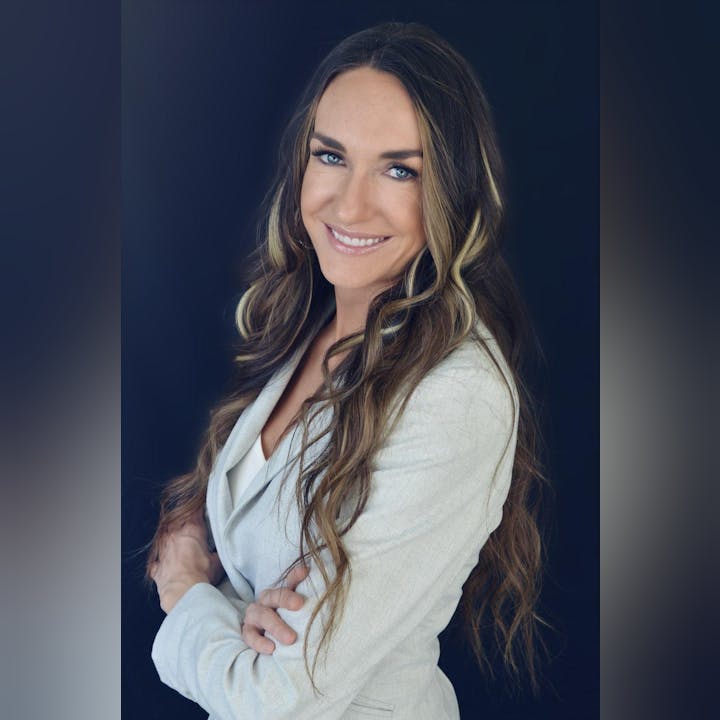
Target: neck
x,y
351,311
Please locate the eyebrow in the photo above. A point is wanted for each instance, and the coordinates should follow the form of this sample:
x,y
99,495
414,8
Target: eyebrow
x,y
389,155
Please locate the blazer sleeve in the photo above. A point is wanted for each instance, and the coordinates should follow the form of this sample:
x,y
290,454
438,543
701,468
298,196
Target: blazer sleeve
x,y
228,591
436,495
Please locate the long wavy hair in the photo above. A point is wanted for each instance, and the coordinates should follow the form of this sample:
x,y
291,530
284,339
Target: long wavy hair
x,y
459,278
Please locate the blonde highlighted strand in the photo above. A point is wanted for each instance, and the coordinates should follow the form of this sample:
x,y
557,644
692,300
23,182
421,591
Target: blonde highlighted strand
x,y
459,281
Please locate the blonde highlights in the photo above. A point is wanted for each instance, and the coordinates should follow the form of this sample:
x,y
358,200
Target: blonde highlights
x,y
458,279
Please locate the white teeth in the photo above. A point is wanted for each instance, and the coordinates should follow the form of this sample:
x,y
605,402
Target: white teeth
x,y
355,242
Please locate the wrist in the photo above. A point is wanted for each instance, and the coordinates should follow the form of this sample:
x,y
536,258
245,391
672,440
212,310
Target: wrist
x,y
174,590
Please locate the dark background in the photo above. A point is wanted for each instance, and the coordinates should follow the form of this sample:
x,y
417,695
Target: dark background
x,y
206,90
60,238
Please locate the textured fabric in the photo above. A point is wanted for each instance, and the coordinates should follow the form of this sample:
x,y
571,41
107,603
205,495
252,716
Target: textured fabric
x,y
437,492
239,477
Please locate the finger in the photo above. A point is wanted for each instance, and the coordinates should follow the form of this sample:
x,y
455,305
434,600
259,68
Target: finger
x,y
271,622
297,575
281,598
266,618
253,637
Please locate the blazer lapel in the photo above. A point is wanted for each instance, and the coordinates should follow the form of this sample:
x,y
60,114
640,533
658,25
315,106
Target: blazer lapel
x,y
248,426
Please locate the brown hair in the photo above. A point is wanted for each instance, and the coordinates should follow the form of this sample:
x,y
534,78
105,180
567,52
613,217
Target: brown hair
x,y
458,278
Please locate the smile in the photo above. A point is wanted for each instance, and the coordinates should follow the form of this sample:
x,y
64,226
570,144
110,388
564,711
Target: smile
x,y
353,245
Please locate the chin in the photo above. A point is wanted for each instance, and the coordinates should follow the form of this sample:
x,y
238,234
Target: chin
x,y
346,281
346,278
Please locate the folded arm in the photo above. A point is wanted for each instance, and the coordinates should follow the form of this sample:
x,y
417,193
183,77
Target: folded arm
x,y
435,497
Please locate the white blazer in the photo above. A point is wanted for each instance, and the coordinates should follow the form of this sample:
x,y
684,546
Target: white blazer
x,y
437,492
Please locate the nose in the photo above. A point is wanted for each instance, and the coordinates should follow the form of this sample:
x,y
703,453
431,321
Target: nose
x,y
354,200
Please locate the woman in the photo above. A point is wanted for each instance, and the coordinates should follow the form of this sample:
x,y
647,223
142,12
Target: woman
x,y
355,481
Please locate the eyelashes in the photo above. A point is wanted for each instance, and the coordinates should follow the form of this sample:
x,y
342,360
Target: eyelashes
x,y
324,156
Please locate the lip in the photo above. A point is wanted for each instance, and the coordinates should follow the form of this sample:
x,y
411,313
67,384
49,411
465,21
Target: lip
x,y
347,233
351,250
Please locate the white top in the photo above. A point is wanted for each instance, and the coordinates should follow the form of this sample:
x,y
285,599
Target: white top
x,y
240,475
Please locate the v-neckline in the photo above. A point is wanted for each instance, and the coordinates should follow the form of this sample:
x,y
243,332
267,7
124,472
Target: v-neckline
x,y
298,367
246,431
253,419
260,449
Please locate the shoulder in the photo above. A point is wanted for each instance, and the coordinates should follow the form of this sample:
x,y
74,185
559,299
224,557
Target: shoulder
x,y
454,442
459,421
472,388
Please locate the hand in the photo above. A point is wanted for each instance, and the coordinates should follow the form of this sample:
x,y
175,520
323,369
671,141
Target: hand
x,y
261,616
185,561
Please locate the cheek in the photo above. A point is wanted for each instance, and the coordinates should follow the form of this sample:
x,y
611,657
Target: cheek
x,y
312,193
409,217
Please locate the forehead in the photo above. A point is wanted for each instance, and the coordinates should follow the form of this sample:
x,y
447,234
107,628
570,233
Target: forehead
x,y
368,107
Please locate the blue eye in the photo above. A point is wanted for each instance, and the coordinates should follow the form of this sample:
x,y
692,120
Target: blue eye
x,y
327,157
405,173
397,172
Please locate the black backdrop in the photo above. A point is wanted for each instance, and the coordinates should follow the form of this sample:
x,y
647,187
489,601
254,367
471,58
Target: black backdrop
x,y
206,89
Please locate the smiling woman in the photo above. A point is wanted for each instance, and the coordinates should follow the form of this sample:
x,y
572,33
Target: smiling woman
x,y
362,210
376,463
